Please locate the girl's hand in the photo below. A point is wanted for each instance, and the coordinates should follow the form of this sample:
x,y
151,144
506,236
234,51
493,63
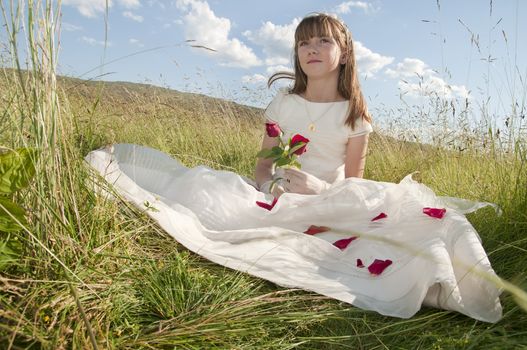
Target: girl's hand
x,y
276,190
298,181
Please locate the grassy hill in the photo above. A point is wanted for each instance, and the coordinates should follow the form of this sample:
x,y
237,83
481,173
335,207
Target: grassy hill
x,y
92,271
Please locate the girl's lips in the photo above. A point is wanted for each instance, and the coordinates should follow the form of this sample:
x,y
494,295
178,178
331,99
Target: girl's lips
x,y
313,61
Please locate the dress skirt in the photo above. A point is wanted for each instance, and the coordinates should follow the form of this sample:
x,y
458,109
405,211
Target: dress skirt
x,y
385,247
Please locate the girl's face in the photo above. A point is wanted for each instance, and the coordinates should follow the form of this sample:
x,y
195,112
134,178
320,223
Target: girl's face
x,y
319,57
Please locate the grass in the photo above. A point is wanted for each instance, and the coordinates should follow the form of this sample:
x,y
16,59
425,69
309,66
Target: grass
x,y
97,273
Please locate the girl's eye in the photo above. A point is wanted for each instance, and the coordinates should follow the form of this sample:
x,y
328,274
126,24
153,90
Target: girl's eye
x,y
325,40
301,43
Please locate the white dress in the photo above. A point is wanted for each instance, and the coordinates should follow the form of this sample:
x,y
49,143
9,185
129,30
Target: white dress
x,y
439,262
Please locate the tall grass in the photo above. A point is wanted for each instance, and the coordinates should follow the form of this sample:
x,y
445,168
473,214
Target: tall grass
x,y
100,274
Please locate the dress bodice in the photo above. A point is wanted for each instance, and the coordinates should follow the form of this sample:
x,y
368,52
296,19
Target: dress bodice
x,y
326,151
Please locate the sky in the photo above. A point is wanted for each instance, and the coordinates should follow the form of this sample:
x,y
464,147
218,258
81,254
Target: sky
x,y
470,49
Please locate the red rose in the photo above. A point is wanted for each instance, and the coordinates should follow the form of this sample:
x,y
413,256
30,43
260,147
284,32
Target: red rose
x,y
273,130
295,141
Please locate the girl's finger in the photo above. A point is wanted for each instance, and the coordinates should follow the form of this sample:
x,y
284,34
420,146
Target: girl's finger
x,y
293,173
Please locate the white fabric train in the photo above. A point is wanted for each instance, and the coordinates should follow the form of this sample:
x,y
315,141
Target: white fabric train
x,y
439,262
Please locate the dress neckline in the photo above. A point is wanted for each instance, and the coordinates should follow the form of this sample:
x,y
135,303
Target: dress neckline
x,y
318,103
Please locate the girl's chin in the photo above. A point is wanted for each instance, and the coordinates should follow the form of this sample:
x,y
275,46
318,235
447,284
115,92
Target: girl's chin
x,y
317,74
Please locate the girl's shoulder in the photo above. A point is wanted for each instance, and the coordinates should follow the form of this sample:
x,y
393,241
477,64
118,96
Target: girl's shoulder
x,y
284,92
362,127
281,100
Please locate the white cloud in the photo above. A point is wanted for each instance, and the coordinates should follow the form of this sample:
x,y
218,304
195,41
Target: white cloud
x,y
417,79
409,67
70,27
345,7
94,42
88,8
277,41
92,8
279,68
135,42
129,4
201,24
132,16
254,79
156,3
369,62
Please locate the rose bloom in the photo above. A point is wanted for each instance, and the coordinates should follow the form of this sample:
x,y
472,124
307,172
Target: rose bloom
x,y
273,129
295,140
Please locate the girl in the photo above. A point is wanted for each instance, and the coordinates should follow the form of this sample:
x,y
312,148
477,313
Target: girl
x,y
325,104
380,246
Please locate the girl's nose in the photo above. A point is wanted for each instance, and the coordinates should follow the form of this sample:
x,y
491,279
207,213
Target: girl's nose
x,y
312,48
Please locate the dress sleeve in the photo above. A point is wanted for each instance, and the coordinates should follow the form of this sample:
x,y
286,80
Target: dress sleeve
x,y
272,112
362,127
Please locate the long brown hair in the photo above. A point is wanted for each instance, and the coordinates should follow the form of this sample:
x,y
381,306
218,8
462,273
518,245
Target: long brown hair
x,y
321,25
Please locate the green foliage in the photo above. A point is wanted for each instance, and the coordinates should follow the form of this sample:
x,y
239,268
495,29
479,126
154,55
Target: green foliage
x,y
9,251
266,153
16,170
283,155
17,167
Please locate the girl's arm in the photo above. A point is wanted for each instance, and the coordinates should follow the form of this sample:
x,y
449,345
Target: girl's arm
x,y
264,167
356,156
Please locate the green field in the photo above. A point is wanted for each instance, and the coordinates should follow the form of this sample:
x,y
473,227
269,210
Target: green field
x,y
85,272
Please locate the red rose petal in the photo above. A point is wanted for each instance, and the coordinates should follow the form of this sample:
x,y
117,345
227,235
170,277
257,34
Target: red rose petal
x,y
343,243
266,205
378,266
296,139
273,129
380,216
313,230
359,263
437,213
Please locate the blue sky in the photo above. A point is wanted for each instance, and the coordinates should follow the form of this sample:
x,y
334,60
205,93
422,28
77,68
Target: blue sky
x,y
458,49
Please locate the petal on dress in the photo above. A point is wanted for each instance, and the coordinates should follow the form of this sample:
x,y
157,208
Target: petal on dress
x,y
313,229
267,205
437,213
343,243
378,266
379,217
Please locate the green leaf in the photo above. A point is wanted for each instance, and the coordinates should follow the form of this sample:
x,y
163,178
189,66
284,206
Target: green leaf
x,y
16,169
276,151
149,206
9,252
295,163
283,161
265,153
7,222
